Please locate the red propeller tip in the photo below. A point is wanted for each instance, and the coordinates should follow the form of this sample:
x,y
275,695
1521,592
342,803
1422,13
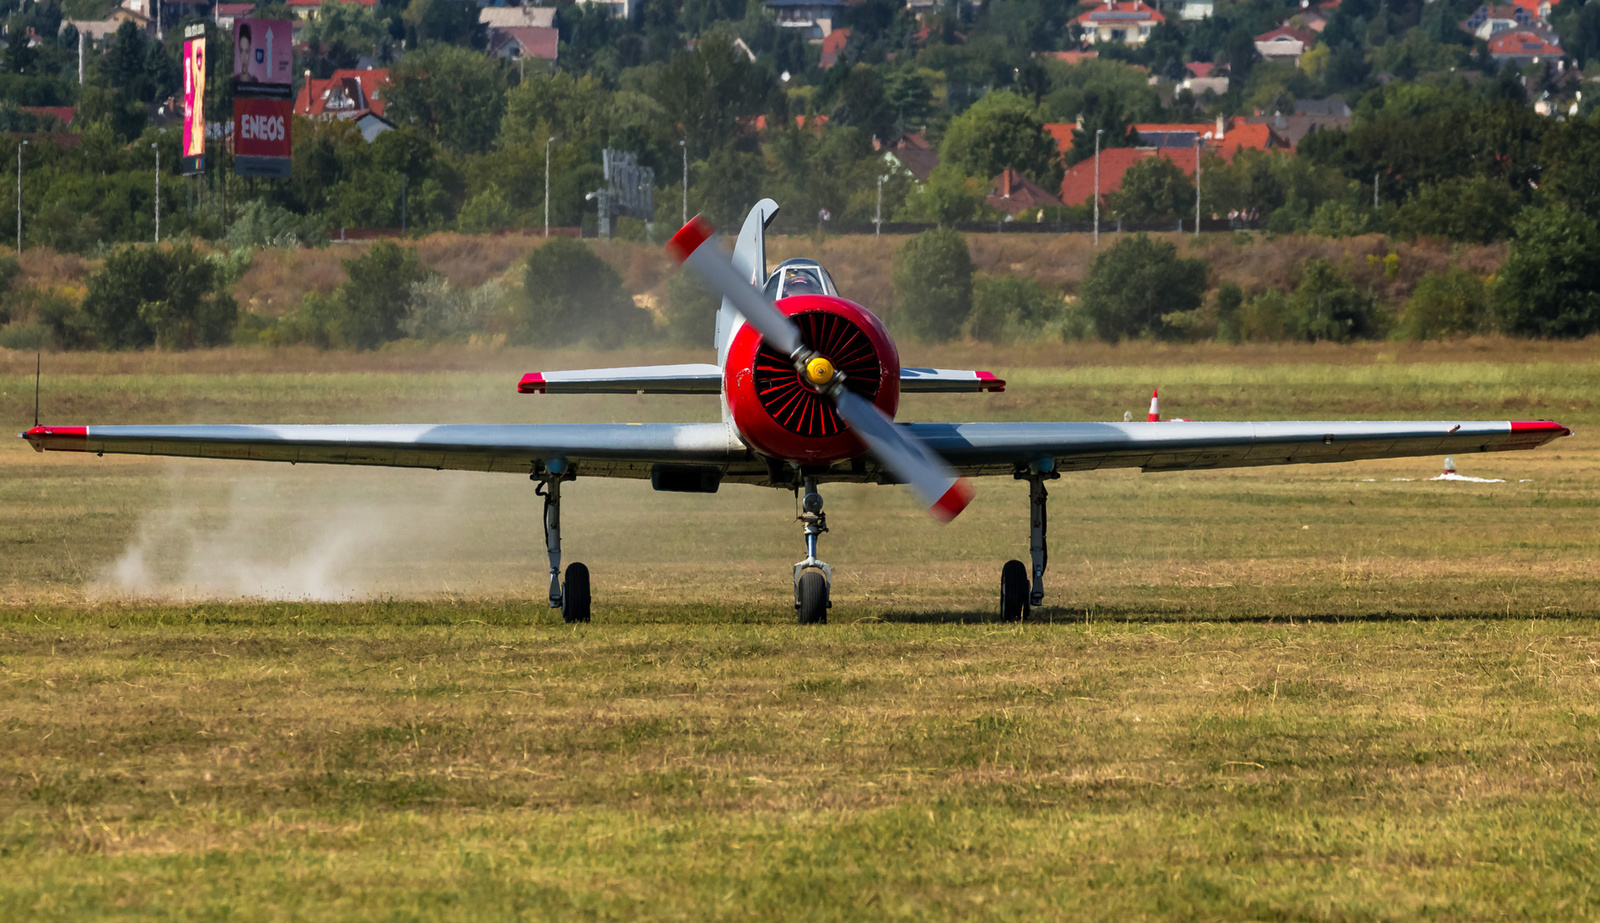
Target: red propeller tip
x,y
954,500
689,238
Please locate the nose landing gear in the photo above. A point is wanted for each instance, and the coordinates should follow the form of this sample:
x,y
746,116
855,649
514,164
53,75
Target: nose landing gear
x,y
812,578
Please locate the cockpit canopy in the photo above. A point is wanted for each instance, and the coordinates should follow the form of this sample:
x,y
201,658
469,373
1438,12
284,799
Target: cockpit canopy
x,y
799,277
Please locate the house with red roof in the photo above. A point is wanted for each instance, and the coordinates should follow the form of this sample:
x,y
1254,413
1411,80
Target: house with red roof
x,y
1127,21
307,9
832,47
1491,20
1078,186
512,43
1013,193
1176,142
351,95
63,114
1525,46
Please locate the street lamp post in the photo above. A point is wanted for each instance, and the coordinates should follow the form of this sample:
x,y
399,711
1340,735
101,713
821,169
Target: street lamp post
x,y
1097,133
19,196
684,145
157,149
547,143
1197,185
877,220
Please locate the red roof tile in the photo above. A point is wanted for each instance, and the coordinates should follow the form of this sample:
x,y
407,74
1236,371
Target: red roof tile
x,y
832,47
351,92
1077,187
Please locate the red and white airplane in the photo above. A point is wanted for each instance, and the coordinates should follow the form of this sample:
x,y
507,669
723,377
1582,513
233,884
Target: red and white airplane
x,y
810,383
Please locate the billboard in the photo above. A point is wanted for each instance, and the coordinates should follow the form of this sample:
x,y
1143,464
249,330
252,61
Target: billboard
x,y
261,137
194,106
262,57
263,77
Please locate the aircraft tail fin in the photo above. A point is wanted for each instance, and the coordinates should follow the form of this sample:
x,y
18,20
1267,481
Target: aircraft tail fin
x,y
750,258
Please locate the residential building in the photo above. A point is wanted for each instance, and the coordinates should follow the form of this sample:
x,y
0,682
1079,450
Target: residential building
x,y
833,47
1077,187
1196,10
912,155
1128,22
307,9
1309,115
517,17
1225,136
225,13
619,9
1487,21
814,18
352,95
516,42
1525,46
1013,193
1284,44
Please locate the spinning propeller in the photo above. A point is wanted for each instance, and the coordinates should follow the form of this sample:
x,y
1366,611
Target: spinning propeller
x,y
938,485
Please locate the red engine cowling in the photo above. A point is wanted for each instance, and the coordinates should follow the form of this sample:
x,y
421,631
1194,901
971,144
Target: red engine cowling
x,y
778,413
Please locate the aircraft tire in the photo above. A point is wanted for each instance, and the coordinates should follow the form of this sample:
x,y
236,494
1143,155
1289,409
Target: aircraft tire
x,y
575,594
1014,591
813,598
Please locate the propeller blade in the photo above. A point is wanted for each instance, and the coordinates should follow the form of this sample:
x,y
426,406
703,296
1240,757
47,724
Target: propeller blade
x,y
689,247
934,481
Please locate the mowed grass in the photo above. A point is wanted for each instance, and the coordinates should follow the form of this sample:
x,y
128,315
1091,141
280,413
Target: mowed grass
x,y
1315,692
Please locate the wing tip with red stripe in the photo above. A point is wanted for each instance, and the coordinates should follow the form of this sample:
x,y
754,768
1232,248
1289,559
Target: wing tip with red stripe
x,y
531,383
58,438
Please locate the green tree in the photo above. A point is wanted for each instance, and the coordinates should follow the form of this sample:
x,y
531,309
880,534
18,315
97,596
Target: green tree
x,y
1326,306
1549,286
947,197
691,310
1445,304
706,90
570,295
1002,130
1132,285
1154,189
933,284
373,302
1475,209
454,95
172,298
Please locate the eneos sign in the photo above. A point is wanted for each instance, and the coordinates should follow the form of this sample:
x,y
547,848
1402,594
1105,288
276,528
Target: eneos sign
x,y
261,136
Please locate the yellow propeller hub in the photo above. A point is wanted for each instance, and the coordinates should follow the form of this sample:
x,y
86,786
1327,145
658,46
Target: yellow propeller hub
x,y
819,372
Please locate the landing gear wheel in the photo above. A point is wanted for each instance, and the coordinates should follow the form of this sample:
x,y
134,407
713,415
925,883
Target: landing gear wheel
x,y
1014,591
813,598
575,594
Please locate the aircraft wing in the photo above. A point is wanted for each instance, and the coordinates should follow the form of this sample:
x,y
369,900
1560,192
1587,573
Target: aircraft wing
x,y
596,449
704,378
1000,448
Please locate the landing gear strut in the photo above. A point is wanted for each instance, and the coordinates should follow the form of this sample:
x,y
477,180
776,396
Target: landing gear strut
x,y
812,578
573,597
1017,597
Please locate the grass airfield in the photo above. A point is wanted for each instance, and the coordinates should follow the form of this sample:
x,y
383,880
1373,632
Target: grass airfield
x,y
1313,692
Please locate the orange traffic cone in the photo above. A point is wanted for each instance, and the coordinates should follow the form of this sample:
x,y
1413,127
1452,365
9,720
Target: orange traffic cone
x,y
1155,405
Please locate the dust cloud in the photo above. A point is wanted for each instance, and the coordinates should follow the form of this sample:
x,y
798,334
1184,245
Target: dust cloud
x,y
265,532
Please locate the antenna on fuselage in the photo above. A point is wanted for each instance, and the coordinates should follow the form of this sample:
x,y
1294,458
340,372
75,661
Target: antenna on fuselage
x,y
38,365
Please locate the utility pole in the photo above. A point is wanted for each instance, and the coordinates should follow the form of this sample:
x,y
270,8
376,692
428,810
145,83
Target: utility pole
x,y
83,40
1375,192
157,149
877,221
1097,133
1197,185
19,196
684,144
547,143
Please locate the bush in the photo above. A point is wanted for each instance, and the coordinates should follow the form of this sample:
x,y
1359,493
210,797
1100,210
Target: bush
x,y
1550,284
260,223
1229,302
437,311
1326,306
1264,318
933,284
373,302
569,294
489,210
1446,304
145,295
1006,308
1131,286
